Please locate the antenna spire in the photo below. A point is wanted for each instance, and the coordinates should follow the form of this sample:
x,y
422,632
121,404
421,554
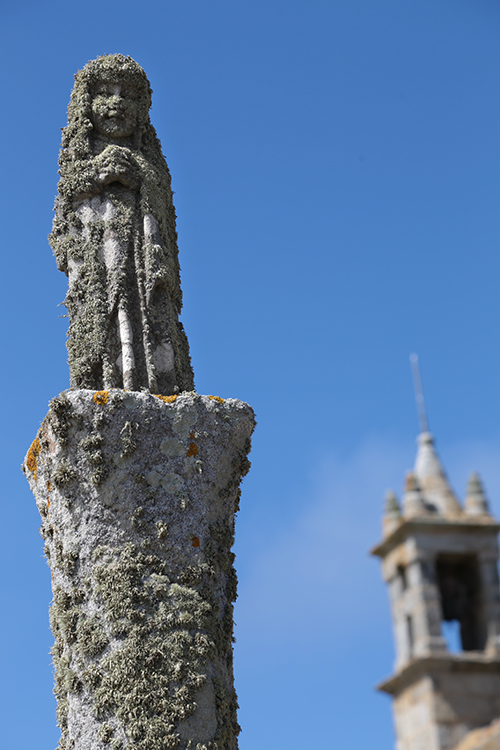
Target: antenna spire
x,y
419,395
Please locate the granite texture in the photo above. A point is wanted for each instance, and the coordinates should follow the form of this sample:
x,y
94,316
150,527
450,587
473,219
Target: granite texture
x,y
137,495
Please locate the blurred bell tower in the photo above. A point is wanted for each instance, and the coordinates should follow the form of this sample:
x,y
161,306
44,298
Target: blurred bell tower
x,y
439,561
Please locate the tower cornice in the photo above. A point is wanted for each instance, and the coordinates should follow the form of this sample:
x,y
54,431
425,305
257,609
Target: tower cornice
x,y
422,666
436,524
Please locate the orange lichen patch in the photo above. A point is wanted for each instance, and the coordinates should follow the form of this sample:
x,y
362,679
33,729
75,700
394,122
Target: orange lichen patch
x,y
32,457
49,488
193,450
166,399
217,398
101,397
195,541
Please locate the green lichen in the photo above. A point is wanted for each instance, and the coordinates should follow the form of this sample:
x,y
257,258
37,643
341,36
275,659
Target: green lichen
x,y
65,559
59,418
91,637
63,475
65,613
129,446
169,632
149,683
105,733
91,446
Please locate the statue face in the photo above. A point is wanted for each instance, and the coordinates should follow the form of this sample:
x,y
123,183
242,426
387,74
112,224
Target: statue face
x,y
115,109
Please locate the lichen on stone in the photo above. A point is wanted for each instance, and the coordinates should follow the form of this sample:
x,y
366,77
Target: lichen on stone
x,y
32,457
129,444
142,613
114,235
166,399
101,397
59,419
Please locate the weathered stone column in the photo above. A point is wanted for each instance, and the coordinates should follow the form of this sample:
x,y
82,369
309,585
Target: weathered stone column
x,y
137,495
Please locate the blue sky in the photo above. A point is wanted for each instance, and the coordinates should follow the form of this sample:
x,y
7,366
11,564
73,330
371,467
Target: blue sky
x,y
336,167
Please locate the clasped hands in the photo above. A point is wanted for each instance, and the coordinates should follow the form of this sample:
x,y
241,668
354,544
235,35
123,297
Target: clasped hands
x,y
117,164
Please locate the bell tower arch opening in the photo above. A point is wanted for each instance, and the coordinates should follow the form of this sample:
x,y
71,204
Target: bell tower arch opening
x,y
460,590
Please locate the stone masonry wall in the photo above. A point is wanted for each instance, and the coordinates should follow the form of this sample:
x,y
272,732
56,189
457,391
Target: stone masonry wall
x,y
137,495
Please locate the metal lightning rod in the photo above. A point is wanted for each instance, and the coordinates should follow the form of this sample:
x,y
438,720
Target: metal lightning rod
x,y
419,394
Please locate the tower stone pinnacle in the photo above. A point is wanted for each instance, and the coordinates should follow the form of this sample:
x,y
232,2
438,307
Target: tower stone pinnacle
x,y
476,503
432,479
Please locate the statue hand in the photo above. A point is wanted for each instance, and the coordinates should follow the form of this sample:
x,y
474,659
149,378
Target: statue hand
x,y
117,164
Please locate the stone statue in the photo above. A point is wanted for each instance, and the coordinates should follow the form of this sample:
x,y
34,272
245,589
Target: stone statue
x,y
136,476
114,236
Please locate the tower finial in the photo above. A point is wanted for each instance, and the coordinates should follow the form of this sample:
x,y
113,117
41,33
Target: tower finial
x,y
419,395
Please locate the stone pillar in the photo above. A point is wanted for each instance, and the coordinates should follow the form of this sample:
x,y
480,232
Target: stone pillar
x,y
137,495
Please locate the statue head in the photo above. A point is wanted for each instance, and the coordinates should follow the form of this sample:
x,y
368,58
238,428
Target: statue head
x,y
115,109
111,97
110,104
